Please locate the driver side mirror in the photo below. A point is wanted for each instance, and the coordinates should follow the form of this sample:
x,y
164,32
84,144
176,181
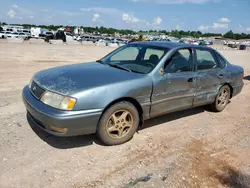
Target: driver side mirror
x,y
162,71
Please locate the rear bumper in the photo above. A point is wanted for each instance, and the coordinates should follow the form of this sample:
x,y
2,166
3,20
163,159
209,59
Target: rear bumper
x,y
76,122
237,89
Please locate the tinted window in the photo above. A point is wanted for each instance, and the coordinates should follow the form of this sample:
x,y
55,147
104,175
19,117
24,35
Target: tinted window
x,y
221,61
180,61
205,60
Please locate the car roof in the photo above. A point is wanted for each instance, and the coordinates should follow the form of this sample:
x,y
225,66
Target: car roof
x,y
170,45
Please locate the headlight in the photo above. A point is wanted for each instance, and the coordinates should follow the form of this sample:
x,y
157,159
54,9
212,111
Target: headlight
x,y
58,101
31,82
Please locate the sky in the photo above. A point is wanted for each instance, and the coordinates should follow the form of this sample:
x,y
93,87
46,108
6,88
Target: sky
x,y
217,16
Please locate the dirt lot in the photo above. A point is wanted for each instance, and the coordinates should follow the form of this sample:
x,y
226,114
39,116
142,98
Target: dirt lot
x,y
194,148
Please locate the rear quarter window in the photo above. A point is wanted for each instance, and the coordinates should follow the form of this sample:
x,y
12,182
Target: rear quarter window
x,y
221,60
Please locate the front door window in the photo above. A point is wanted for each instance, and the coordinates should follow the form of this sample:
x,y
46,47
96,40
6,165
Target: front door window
x,y
180,61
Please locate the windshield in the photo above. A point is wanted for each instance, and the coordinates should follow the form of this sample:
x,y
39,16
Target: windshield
x,y
138,58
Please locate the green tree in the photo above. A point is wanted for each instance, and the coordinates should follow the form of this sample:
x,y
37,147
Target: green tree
x,y
229,35
175,33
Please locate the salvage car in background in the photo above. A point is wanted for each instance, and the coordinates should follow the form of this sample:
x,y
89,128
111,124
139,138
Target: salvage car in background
x,y
141,80
3,34
12,35
23,36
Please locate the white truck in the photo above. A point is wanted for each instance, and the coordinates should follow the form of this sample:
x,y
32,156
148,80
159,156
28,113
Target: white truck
x,y
35,32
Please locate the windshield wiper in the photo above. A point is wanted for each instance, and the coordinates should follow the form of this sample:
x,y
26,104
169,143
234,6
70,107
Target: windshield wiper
x,y
113,65
119,67
102,62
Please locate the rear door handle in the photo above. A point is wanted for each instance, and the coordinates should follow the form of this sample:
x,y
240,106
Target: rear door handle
x,y
220,75
190,80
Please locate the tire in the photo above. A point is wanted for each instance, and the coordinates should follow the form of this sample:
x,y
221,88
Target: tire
x,y
221,101
118,124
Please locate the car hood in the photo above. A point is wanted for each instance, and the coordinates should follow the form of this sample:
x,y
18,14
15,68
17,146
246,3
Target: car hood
x,y
72,79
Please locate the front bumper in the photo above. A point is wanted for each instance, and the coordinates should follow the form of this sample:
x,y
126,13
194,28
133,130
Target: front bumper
x,y
76,122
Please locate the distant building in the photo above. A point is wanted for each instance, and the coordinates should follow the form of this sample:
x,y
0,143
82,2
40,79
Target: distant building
x,y
12,28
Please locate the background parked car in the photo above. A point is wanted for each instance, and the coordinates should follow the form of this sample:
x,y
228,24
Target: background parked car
x,y
12,35
77,37
3,34
23,35
90,38
42,36
49,36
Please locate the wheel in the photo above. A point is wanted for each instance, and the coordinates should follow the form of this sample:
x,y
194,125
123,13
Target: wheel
x,y
222,99
118,124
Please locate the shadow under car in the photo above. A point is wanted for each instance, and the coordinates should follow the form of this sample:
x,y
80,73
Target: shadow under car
x,y
86,140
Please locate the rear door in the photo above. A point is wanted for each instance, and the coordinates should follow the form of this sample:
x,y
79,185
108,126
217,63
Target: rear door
x,y
210,76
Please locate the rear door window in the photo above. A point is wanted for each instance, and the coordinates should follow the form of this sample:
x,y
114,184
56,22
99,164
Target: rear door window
x,y
205,60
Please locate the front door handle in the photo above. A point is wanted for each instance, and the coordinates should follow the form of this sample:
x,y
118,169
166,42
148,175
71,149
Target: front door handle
x,y
190,80
220,75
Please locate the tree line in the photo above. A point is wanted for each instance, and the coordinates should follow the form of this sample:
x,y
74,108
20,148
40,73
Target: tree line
x,y
173,33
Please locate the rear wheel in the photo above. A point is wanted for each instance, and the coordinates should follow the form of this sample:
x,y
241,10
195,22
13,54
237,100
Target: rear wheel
x,y
222,99
118,124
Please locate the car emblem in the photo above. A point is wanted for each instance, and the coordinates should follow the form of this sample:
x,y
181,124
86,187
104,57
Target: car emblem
x,y
34,88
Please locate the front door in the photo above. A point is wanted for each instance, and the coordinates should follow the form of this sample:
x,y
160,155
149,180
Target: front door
x,y
178,84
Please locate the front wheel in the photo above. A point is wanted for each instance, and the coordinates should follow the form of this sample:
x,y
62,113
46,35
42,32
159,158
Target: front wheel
x,y
118,123
222,99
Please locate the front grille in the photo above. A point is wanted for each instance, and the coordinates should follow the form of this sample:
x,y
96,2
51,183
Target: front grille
x,y
36,90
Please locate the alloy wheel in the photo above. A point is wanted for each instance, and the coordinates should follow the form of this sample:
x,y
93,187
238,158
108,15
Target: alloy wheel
x,y
223,98
119,124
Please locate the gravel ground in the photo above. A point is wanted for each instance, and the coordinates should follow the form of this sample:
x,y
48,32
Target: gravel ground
x,y
193,148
